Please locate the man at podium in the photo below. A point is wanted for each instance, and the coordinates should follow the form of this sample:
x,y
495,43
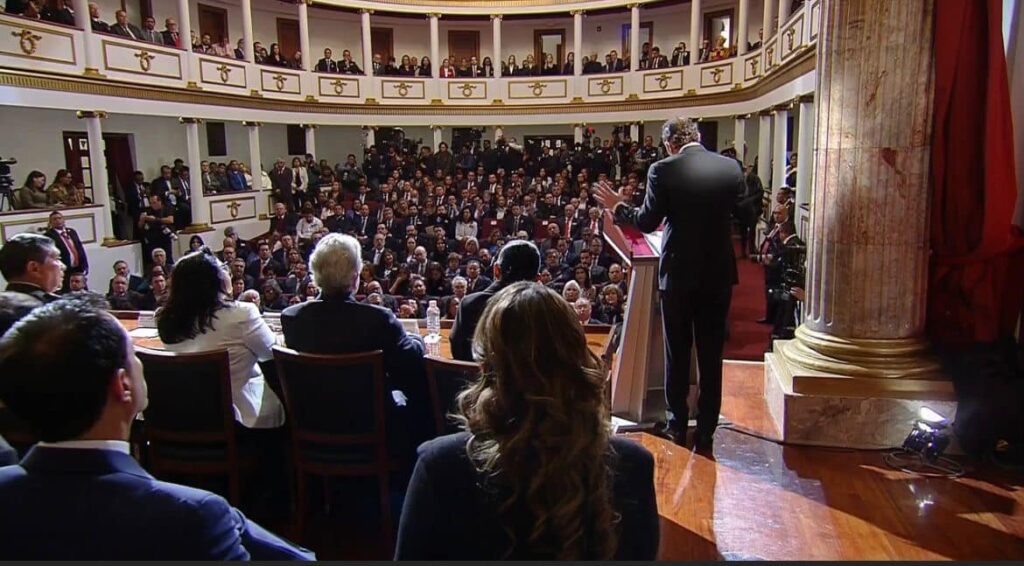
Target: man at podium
x,y
693,191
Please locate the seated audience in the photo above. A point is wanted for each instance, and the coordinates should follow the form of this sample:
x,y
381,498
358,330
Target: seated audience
x,y
32,194
30,263
61,503
121,298
537,474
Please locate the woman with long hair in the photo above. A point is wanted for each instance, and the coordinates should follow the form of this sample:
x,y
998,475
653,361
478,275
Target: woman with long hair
x,y
200,316
423,70
536,474
33,193
509,67
275,57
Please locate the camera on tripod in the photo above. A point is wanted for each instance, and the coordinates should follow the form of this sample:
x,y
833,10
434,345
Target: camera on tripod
x,y
6,182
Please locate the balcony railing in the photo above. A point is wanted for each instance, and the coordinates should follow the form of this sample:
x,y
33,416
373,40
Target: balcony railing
x,y
40,46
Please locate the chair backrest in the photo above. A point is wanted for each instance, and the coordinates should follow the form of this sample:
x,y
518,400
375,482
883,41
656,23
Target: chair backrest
x,y
189,396
334,400
445,379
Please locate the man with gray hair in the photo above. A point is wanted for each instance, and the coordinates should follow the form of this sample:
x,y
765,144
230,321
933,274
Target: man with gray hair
x,y
335,323
693,191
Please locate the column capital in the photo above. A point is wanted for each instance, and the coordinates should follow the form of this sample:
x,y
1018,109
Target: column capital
x,y
633,5
188,120
82,114
306,2
308,126
252,124
434,15
578,12
782,107
805,98
365,11
496,16
765,112
742,116
436,127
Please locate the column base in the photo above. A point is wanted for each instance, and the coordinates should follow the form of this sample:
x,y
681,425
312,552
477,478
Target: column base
x,y
193,86
196,228
93,72
844,411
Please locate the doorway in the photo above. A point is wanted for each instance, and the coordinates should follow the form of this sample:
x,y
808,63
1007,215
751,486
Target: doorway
x,y
551,41
646,36
463,44
720,23
119,154
214,21
288,37
383,40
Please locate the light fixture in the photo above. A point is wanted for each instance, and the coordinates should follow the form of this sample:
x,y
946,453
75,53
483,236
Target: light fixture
x,y
921,452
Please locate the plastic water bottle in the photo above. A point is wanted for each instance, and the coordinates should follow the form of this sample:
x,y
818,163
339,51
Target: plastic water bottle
x,y
433,339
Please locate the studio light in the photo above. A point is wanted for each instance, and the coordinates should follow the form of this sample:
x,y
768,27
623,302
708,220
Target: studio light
x,y
921,452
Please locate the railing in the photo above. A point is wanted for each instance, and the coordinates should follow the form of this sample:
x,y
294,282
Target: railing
x,y
41,46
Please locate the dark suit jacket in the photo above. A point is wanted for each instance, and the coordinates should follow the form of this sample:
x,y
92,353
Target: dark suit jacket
x,y
525,223
448,515
284,225
466,319
61,503
694,193
65,253
326,66
169,39
31,290
123,31
304,324
8,455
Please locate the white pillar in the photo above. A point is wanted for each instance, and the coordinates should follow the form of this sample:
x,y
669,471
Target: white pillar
x,y
185,29
498,132
310,130
83,21
304,33
577,42
766,20
634,131
247,35
804,149
695,25
739,141
496,44
577,133
98,167
438,136
435,46
779,151
783,11
364,16
369,137
764,147
634,37
200,209
255,159
741,34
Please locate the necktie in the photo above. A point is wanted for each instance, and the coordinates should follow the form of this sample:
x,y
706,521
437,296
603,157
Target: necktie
x,y
131,34
176,39
71,247
184,189
568,227
515,226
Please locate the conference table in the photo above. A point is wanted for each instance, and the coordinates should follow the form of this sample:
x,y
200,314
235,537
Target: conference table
x,y
597,335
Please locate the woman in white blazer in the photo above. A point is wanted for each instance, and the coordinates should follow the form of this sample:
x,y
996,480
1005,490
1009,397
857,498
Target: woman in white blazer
x,y
201,316
300,183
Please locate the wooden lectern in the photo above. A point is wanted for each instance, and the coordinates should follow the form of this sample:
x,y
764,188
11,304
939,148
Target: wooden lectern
x,y
638,372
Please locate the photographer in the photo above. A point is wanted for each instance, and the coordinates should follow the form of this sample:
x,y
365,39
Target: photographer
x,y
789,264
157,225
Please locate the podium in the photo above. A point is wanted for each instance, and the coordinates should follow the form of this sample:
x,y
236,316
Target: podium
x,y
638,371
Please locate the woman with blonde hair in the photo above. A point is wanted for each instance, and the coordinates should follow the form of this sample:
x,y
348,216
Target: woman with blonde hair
x,y
537,473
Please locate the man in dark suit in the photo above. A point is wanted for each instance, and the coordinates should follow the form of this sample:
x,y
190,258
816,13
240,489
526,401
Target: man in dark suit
x,y
72,252
568,226
657,60
60,13
125,28
283,222
518,221
519,260
264,259
327,65
698,266
164,184
31,265
281,184
75,360
135,283
150,33
171,35
94,15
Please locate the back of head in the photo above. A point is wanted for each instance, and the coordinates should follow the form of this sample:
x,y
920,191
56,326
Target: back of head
x,y
680,131
335,263
56,366
539,424
18,251
199,288
519,260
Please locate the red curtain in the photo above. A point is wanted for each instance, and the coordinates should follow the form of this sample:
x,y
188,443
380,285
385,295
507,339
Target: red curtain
x,y
976,283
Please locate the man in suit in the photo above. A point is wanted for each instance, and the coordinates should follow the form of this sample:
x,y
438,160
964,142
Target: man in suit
x,y
171,35
264,259
74,359
31,265
347,65
150,33
72,252
519,260
518,221
568,226
281,183
125,28
698,267
135,283
60,14
164,184
614,64
656,60
327,65
377,65
94,15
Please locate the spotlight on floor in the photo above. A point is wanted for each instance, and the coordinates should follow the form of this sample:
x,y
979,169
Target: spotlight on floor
x,y
922,450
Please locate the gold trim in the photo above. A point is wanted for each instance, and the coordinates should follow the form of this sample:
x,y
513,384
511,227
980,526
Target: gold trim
x,y
467,89
537,88
46,222
402,89
81,114
233,205
280,81
663,78
908,358
790,45
717,71
224,69
752,67
605,86
338,86
18,23
142,52
58,82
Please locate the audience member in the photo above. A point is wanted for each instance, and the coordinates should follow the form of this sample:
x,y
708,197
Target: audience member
x,y
31,265
69,244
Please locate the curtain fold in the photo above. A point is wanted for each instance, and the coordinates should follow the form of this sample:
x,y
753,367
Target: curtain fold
x,y
976,279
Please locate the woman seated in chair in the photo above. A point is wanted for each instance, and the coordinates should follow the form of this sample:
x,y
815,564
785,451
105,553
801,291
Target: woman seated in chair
x,y
200,316
537,473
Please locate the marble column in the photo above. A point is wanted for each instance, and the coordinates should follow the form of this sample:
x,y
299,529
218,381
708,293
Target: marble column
x,y
310,131
742,23
185,29
364,19
438,132
577,133
89,41
634,37
634,131
780,139
255,157
767,18
369,136
577,42
496,44
764,147
247,34
859,367
198,202
695,27
435,46
804,147
304,33
98,168
739,141
784,11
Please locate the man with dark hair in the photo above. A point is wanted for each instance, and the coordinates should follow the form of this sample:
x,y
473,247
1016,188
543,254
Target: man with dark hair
x,y
31,265
698,266
69,244
69,371
518,261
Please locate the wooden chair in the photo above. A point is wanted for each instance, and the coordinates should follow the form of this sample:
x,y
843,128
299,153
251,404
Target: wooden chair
x,y
338,421
190,419
445,379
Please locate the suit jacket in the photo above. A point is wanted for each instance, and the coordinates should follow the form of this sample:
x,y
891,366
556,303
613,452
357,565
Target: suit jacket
x,y
349,67
525,223
326,65
694,193
128,30
153,36
31,290
303,326
169,39
100,26
281,184
470,310
60,504
445,484
65,253
60,16
284,225
8,455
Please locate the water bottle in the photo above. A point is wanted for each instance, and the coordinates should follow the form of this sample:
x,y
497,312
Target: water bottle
x,y
433,339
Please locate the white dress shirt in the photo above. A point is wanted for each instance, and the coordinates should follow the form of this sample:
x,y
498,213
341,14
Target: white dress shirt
x,y
112,445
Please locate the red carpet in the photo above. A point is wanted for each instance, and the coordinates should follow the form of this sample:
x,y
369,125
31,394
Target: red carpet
x,y
747,338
